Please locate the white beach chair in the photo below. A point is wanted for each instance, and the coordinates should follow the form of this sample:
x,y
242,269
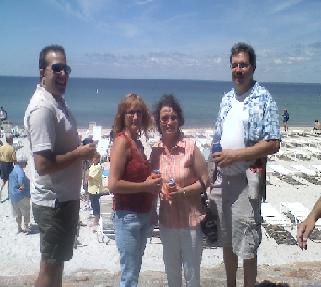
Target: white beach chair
x,y
302,154
315,151
285,174
317,167
297,212
304,170
280,169
272,216
105,230
283,153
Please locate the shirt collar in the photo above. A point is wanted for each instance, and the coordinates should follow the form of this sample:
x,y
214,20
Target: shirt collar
x,y
181,143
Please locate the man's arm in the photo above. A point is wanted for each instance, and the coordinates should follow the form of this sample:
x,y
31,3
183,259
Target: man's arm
x,y
260,149
306,227
47,162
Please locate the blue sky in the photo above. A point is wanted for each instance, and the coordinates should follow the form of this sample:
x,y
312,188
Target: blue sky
x,y
164,39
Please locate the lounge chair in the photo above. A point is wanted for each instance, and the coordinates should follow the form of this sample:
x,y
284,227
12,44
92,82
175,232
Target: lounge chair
x,y
271,216
284,174
296,211
304,170
308,174
105,230
318,168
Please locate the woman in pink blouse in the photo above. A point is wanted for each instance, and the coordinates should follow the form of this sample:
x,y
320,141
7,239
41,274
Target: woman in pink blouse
x,y
184,173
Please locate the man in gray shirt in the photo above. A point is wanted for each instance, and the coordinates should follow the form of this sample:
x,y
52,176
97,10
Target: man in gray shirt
x,y
55,165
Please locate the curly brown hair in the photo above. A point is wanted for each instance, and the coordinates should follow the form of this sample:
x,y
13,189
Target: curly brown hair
x,y
127,102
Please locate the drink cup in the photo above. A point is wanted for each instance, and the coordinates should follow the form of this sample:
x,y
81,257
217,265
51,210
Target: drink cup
x,y
216,147
156,173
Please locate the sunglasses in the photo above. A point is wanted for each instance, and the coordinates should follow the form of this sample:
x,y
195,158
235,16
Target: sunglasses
x,y
165,119
133,112
57,68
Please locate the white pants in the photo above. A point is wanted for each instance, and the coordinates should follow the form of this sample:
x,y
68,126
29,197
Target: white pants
x,y
182,247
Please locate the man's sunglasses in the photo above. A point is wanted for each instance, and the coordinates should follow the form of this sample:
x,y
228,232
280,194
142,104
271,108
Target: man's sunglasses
x,y
57,68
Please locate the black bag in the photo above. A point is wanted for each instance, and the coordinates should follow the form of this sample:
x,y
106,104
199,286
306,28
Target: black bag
x,y
209,222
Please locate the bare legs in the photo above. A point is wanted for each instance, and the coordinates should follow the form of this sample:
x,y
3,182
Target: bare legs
x,y
286,127
250,271
2,186
231,265
230,262
50,274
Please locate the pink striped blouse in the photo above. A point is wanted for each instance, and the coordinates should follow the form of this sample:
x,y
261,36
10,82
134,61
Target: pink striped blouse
x,y
184,210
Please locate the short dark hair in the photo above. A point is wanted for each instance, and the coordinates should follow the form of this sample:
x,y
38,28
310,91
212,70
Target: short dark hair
x,y
244,47
168,100
43,53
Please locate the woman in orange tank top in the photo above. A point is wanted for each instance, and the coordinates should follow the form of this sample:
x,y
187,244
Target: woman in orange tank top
x,y
184,173
133,188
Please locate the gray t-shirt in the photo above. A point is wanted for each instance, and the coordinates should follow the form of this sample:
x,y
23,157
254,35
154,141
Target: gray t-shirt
x,y
51,126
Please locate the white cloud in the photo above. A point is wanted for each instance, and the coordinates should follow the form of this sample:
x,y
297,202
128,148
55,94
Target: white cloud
x,y
82,9
160,59
284,5
144,2
277,61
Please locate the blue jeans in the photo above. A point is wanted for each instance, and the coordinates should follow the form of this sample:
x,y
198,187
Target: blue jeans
x,y
131,232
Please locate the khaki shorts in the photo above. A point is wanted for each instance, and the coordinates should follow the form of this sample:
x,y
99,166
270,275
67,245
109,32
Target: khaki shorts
x,y
239,217
58,229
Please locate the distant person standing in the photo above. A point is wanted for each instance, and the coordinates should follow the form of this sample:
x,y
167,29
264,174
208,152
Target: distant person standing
x,y
3,114
7,158
95,186
247,130
317,125
111,134
286,118
19,189
56,166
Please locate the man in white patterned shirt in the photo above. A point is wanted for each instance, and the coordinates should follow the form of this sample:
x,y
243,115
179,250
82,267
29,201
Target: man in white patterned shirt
x,y
248,130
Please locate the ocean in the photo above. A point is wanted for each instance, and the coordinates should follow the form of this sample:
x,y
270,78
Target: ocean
x,y
96,100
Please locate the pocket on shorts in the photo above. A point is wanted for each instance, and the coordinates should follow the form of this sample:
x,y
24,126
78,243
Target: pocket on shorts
x,y
247,240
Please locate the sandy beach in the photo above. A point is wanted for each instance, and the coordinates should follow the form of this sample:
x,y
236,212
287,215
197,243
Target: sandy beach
x,y
97,264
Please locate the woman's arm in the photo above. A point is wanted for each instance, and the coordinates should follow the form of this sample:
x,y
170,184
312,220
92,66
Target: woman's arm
x,y
119,153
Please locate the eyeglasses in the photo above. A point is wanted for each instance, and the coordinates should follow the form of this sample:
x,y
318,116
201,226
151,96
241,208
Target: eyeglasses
x,y
57,68
165,119
239,65
133,112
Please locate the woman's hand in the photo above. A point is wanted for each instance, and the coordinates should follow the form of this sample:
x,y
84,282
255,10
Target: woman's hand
x,y
169,191
154,183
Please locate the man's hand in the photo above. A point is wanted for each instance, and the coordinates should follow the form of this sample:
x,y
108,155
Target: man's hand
x,y
304,230
86,151
225,157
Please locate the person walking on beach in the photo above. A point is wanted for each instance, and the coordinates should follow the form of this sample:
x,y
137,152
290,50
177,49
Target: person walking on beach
x,y
306,227
55,167
95,186
7,158
286,118
247,130
133,187
179,159
19,190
